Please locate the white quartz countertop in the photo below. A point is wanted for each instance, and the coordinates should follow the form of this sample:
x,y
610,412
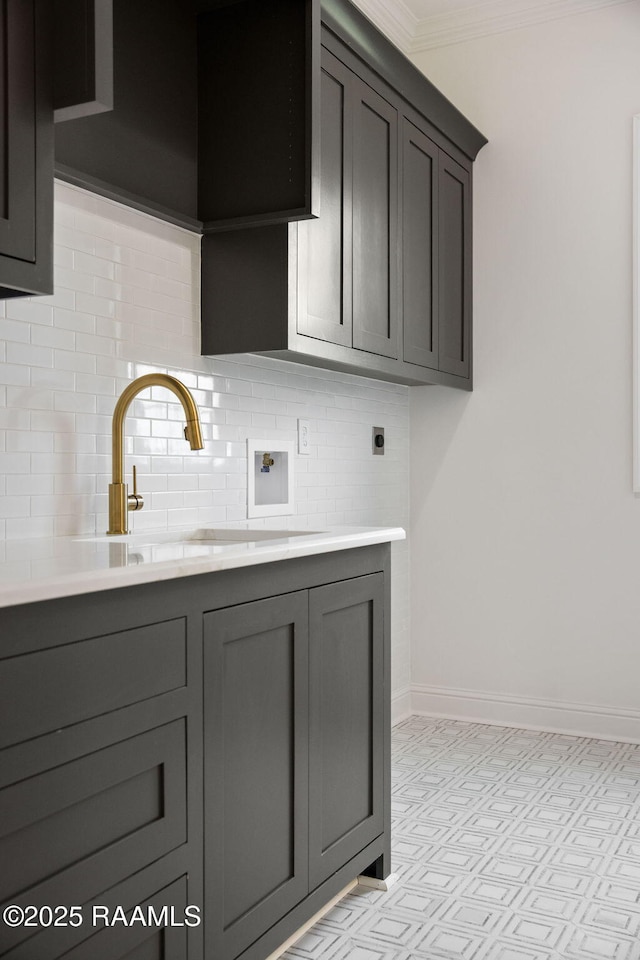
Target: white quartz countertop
x,y
33,570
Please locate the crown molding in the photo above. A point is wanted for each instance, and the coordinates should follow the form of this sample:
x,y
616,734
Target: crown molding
x,y
413,35
394,19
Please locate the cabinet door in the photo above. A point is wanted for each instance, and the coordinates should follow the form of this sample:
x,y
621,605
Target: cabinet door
x,y
375,223
26,150
454,271
419,247
346,791
256,778
324,245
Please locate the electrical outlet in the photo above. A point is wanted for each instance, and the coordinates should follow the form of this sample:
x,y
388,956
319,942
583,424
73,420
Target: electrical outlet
x,y
377,441
304,437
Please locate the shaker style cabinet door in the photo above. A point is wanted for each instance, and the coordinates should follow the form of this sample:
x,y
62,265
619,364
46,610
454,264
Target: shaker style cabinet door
x,y
256,787
375,223
26,150
347,258
419,247
346,702
454,271
324,244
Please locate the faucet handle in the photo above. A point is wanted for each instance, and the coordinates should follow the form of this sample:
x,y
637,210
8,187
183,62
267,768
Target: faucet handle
x,y
135,499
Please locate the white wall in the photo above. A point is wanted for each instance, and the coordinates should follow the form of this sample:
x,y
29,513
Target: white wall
x,y
127,302
525,531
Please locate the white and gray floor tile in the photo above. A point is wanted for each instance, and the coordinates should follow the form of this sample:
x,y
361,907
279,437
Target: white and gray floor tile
x,y
509,845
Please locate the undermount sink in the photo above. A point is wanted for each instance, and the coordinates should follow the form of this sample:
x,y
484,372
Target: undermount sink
x,y
211,536
232,536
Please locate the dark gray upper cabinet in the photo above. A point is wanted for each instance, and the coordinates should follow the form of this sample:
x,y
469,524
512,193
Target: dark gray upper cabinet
x,y
454,267
26,149
375,223
419,199
144,151
216,107
325,303
380,283
346,281
55,58
258,103
436,256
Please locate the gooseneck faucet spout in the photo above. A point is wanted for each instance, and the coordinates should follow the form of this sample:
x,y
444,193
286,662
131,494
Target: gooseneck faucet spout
x,y
120,501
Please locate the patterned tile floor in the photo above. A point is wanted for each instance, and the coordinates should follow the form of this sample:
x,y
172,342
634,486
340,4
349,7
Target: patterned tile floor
x,y
509,845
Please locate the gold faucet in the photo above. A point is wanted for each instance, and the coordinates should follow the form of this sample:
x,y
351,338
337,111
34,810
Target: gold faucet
x,y
120,500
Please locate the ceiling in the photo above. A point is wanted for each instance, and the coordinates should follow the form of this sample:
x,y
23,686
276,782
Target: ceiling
x,y
416,25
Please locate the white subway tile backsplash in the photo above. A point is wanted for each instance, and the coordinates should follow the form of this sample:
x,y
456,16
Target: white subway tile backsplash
x,y
14,463
74,320
93,463
29,309
26,484
74,443
14,374
126,303
55,463
74,402
62,256
101,386
79,483
16,330
150,446
116,329
96,306
184,482
68,236
65,278
88,343
93,266
93,423
44,382
25,528
113,291
53,337
64,299
28,441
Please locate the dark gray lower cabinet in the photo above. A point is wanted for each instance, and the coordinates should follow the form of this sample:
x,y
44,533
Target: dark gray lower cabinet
x,y
264,690
346,736
294,733
256,679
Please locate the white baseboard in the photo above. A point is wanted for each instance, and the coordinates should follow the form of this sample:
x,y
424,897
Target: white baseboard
x,y
576,719
372,883
400,705
313,920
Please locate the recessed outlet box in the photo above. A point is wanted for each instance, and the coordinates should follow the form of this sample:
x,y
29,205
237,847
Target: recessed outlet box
x,y
269,478
377,441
